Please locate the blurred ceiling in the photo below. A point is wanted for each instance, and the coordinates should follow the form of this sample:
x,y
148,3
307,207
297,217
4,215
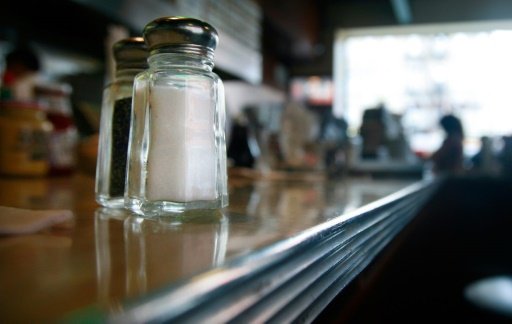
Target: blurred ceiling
x,y
310,24
295,31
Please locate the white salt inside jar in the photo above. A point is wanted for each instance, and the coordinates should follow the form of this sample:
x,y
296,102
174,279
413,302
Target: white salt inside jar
x,y
181,160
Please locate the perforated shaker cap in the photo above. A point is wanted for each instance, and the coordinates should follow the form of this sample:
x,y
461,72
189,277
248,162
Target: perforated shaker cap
x,y
131,53
181,35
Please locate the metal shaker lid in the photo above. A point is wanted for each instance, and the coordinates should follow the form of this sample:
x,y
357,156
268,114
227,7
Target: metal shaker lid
x,y
181,35
130,53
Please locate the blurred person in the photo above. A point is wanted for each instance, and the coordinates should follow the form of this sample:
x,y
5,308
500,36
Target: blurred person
x,y
378,128
449,158
20,75
505,156
485,161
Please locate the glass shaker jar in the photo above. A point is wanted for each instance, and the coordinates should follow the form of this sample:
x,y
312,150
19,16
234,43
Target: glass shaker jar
x,y
178,136
130,56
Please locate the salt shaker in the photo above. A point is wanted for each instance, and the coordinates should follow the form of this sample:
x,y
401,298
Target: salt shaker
x,y
130,56
178,138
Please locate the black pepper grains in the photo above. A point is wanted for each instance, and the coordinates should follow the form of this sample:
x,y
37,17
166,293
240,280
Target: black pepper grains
x,y
120,135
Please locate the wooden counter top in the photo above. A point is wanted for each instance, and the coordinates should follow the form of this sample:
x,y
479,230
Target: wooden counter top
x,y
110,263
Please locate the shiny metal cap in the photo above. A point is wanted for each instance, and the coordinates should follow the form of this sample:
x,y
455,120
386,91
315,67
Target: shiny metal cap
x,y
131,53
181,35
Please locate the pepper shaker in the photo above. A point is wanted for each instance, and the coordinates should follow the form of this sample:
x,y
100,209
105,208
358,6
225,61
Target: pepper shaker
x,y
130,56
178,137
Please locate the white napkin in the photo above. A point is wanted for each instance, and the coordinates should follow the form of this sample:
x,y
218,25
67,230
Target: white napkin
x,y
25,221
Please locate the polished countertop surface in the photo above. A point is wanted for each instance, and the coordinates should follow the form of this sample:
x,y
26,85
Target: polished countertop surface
x,y
110,256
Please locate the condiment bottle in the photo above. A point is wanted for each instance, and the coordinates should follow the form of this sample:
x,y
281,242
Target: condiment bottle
x,y
24,133
64,137
179,133
130,56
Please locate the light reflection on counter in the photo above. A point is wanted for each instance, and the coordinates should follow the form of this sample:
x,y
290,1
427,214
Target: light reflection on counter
x,y
269,211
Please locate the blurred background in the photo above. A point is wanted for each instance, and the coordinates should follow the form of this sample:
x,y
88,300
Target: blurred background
x,y
318,85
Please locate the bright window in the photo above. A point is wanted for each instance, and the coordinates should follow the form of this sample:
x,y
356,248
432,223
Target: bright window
x,y
423,72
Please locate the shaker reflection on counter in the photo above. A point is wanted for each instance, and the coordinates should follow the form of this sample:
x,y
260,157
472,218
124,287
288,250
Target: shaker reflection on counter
x,y
155,251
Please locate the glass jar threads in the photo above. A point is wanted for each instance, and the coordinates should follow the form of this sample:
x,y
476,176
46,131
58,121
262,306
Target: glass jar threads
x,y
130,56
178,142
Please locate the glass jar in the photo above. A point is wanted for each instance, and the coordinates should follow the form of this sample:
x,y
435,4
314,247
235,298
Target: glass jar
x,y
24,132
130,56
178,135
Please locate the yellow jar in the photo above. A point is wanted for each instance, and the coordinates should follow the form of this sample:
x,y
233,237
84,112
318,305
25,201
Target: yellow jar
x,y
24,133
